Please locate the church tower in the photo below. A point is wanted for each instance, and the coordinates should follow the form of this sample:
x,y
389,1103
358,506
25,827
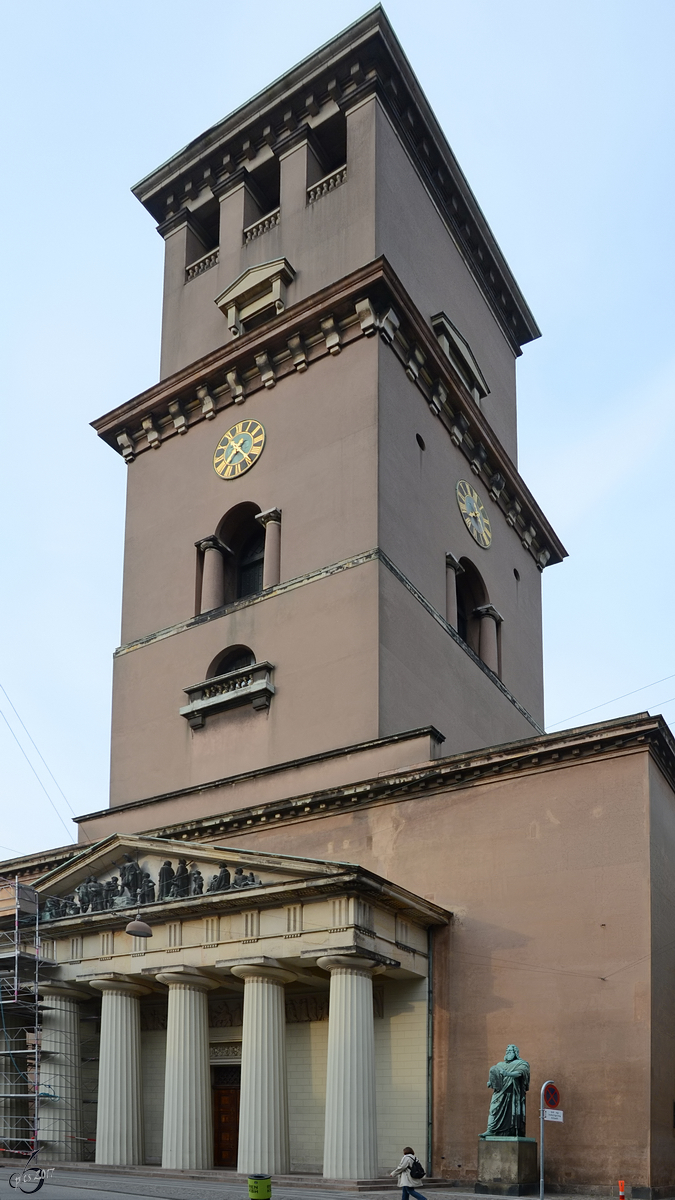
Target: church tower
x,y
329,548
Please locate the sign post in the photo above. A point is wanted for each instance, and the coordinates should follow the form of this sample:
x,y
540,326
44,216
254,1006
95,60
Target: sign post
x,y
548,1111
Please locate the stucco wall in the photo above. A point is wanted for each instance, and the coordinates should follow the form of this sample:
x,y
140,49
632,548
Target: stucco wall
x,y
153,1055
548,877
661,1000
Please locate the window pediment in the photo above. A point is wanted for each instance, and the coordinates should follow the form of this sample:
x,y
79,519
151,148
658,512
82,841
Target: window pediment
x,y
258,292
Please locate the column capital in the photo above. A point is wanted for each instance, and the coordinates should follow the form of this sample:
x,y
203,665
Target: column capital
x,y
271,514
262,969
212,543
121,984
186,978
489,610
453,563
63,991
349,962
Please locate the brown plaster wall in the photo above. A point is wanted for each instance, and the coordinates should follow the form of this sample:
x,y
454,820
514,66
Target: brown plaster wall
x,y
419,520
548,877
415,240
662,999
318,466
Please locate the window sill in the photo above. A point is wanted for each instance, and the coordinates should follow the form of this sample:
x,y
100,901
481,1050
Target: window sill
x,y
248,685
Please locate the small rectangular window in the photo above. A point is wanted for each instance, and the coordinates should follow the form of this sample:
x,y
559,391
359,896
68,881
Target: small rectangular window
x,y
340,913
107,944
76,949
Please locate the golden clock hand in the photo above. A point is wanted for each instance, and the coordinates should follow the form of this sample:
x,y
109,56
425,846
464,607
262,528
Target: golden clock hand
x,y
236,447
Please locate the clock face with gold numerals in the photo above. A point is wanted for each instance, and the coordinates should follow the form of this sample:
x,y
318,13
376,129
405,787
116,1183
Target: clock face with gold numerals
x,y
238,449
473,512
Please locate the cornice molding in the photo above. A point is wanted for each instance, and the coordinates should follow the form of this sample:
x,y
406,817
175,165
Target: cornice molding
x,y
365,59
637,734
368,301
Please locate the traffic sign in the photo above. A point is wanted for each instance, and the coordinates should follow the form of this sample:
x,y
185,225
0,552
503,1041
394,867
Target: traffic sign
x,y
551,1095
553,1114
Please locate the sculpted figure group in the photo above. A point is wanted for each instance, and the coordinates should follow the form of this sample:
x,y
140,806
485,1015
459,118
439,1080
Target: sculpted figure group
x,y
135,886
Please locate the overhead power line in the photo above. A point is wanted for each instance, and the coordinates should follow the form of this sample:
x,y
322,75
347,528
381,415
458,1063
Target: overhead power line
x,y
612,701
4,689
68,831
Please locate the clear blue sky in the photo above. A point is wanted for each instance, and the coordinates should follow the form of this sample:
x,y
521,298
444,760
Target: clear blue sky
x,y
561,114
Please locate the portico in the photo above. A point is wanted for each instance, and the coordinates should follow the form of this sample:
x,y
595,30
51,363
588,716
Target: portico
x,y
272,1007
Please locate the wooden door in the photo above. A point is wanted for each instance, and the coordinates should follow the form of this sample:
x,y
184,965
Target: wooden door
x,y
226,1126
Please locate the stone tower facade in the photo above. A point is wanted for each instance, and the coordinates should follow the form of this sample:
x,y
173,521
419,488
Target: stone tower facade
x,y
373,571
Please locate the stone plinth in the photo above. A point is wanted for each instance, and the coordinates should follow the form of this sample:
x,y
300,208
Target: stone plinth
x,y
507,1166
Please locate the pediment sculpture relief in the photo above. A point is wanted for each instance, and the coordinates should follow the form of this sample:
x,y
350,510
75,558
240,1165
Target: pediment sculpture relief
x,y
132,886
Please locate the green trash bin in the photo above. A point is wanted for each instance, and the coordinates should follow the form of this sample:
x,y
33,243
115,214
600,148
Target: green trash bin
x,y
259,1187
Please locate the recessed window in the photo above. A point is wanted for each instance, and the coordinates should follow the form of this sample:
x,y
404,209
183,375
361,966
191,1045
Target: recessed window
x,y
250,565
516,575
420,441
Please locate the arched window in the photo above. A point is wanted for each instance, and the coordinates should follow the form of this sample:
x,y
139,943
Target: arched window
x,y
250,565
245,540
234,658
471,594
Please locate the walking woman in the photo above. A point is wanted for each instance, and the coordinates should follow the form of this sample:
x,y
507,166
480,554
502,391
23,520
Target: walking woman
x,y
405,1179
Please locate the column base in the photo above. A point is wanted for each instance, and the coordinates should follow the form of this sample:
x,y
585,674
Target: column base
x,y
507,1166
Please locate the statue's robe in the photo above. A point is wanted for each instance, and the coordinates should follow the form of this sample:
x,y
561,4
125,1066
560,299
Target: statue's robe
x,y
510,1082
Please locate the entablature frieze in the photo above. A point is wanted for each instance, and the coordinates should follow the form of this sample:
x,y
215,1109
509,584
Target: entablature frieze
x,y
368,302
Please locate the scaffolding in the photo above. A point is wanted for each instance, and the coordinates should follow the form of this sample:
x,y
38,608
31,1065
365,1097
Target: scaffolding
x,y
21,971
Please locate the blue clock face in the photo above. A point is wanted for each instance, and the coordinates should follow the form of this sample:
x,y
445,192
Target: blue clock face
x,y
239,449
473,513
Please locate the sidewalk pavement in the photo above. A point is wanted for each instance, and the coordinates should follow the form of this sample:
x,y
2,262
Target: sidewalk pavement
x,y
138,1184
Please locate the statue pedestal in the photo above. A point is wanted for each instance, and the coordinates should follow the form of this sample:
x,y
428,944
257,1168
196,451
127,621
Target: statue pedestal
x,y
507,1166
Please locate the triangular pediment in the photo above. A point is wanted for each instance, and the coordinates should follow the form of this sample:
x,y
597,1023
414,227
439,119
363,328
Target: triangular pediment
x,y
122,870
255,281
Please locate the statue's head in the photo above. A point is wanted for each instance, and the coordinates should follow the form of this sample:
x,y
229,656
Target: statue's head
x,y
512,1052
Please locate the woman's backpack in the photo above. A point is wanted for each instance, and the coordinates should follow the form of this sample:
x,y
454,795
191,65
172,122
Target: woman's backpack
x,y
417,1170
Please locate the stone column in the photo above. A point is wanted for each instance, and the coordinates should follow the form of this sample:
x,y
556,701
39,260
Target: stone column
x,y
350,1142
452,570
119,1122
488,645
271,521
263,1113
213,573
187,1142
61,1073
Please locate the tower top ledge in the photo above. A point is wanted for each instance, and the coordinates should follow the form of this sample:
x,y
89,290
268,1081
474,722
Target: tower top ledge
x,y
365,59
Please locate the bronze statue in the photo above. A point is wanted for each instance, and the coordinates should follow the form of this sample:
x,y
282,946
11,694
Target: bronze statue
x,y
166,874
181,880
196,882
147,889
509,1080
223,880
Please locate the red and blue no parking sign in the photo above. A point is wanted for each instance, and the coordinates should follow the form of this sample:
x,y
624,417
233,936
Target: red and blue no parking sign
x,y
551,1096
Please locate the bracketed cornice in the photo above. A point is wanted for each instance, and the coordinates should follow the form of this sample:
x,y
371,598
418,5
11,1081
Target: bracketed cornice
x,y
370,301
365,59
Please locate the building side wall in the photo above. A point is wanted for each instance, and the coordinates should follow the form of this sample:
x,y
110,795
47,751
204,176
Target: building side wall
x,y
401,1073
547,876
153,1056
318,466
662,998
323,642
307,1056
427,678
419,521
414,238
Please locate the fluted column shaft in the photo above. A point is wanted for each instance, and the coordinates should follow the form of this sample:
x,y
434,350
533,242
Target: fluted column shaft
x,y
263,1113
350,1141
213,580
271,522
452,569
61,1074
187,1140
119,1123
488,643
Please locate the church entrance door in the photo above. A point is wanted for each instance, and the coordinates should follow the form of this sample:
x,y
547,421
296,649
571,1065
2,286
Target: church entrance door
x,y
226,1115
